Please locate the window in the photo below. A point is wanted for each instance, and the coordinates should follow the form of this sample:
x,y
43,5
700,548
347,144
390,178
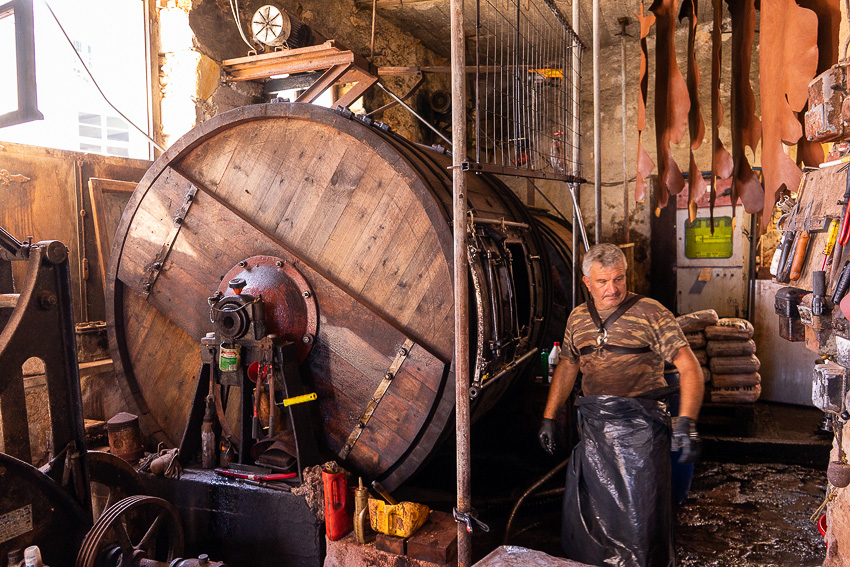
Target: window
x,y
109,36
18,102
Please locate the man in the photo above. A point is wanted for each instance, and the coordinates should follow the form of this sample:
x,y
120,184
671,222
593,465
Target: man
x,y
618,504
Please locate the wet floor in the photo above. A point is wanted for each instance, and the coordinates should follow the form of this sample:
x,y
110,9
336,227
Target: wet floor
x,y
741,515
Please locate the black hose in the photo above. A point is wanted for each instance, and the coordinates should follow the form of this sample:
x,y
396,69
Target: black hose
x,y
528,492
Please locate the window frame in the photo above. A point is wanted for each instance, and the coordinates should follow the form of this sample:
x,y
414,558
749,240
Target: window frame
x,y
27,110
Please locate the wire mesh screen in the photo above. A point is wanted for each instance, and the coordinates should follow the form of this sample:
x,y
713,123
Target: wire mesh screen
x,y
527,61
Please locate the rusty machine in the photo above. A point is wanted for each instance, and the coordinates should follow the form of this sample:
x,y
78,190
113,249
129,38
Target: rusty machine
x,y
51,506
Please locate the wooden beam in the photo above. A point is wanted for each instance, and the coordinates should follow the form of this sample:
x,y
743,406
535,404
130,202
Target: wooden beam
x,y
393,4
324,82
357,90
299,60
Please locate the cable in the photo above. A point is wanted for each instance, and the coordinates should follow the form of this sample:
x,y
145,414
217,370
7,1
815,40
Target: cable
x,y
235,12
83,63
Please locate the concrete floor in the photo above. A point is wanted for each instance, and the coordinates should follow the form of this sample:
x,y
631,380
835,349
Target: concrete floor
x,y
754,514
749,504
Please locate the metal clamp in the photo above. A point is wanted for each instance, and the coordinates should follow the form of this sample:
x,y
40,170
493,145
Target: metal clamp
x,y
401,356
469,519
601,338
155,267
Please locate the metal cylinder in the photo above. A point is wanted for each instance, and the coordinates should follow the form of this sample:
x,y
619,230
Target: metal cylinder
x,y
125,437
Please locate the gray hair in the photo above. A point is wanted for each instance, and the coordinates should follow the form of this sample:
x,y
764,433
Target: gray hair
x,y
605,254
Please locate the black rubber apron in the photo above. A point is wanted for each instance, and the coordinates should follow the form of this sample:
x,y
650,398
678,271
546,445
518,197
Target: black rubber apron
x,y
617,504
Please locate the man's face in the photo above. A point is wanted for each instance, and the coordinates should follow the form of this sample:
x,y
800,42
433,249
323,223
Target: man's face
x,y
606,285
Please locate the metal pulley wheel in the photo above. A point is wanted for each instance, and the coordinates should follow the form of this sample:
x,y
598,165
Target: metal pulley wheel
x,y
34,508
112,479
135,528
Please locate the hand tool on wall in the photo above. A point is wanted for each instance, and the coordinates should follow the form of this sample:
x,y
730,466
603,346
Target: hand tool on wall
x,y
842,284
802,245
786,244
831,237
818,292
844,237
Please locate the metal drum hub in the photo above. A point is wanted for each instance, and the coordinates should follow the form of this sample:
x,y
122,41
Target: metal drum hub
x,y
290,305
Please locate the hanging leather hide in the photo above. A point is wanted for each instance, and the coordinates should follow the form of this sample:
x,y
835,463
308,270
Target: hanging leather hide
x,y
696,126
645,165
788,59
829,18
671,100
721,159
746,126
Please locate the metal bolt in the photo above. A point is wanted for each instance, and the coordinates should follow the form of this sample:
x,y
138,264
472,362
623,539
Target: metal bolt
x,y
203,559
402,351
279,263
147,286
388,376
307,293
243,263
157,265
307,339
178,220
47,300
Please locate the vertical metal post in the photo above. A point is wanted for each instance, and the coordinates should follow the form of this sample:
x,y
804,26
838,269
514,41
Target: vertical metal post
x,y
624,22
461,292
575,187
597,126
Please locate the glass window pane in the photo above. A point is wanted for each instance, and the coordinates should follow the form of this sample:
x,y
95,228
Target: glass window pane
x,y
8,66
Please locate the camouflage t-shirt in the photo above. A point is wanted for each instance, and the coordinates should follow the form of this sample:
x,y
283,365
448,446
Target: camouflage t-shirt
x,y
646,323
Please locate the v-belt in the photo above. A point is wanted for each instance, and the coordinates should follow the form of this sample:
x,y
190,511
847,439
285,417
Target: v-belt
x,y
602,329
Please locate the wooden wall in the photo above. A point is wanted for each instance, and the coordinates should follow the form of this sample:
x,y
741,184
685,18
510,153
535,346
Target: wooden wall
x,y
45,193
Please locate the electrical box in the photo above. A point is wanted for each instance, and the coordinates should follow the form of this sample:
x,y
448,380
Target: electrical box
x,y
711,265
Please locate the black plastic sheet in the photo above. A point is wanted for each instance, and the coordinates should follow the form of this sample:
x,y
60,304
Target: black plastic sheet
x,y
617,504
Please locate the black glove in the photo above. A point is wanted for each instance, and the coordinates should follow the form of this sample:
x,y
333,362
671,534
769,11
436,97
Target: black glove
x,y
685,438
547,435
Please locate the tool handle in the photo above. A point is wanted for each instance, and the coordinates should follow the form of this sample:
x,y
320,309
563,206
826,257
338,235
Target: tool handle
x,y
299,399
800,256
844,237
831,237
787,241
379,488
842,284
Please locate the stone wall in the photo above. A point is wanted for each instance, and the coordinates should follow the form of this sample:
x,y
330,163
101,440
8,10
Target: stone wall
x,y
198,36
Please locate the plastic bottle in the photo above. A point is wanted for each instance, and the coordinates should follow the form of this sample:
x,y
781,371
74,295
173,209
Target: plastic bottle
x,y
554,358
208,440
543,367
32,557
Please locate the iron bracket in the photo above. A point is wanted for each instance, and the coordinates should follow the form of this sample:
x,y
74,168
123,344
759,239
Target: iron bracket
x,y
155,267
400,357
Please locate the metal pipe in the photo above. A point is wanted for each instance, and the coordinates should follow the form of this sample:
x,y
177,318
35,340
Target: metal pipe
x,y
624,22
597,125
10,243
461,291
575,188
413,112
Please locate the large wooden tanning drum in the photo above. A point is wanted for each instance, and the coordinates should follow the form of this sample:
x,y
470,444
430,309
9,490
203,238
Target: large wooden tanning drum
x,y
345,229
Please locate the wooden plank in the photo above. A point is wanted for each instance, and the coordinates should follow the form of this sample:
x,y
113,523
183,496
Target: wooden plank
x,y
375,237
327,80
299,60
325,47
108,199
436,541
165,362
390,544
